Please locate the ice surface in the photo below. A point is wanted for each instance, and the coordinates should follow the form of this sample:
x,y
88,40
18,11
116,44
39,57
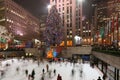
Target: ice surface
x,y
81,71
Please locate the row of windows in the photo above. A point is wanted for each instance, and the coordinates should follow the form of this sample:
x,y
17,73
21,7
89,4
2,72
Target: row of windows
x,y
14,7
23,18
3,19
62,1
16,13
69,36
86,34
15,22
18,10
15,18
69,9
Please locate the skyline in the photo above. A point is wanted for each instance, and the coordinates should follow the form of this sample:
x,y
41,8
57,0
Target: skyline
x,y
39,7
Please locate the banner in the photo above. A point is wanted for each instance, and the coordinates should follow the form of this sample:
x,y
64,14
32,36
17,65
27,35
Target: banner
x,y
102,32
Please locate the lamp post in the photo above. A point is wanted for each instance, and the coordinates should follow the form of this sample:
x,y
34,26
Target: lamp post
x,y
49,7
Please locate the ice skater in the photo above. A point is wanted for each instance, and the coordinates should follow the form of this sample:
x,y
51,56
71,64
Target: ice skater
x,y
72,72
81,72
99,78
49,73
29,77
47,67
59,77
43,71
54,71
38,63
104,76
2,73
26,72
33,74
17,69
42,78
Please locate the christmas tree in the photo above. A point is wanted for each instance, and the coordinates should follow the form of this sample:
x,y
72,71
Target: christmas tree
x,y
54,30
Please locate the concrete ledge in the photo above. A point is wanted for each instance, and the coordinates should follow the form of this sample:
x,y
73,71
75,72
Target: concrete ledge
x,y
82,50
110,59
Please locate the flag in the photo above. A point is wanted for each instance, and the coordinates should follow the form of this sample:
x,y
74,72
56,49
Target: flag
x,y
106,28
102,32
117,22
109,26
112,27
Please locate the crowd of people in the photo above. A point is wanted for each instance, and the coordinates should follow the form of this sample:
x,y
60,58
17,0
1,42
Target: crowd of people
x,y
32,75
46,72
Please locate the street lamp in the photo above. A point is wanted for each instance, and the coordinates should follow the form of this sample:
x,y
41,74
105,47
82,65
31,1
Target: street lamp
x,y
49,6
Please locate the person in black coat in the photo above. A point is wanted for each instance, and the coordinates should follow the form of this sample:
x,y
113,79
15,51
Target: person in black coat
x,y
54,71
33,74
104,76
99,78
43,71
59,77
26,72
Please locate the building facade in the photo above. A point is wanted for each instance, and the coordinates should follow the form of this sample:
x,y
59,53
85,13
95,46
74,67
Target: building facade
x,y
107,36
107,19
71,14
18,21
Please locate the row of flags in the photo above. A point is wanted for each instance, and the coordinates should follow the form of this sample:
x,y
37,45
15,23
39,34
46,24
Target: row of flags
x,y
110,26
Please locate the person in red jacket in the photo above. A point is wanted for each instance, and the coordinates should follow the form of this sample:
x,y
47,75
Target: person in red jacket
x,y
59,77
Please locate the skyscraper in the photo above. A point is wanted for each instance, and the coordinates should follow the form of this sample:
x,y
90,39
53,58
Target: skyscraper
x,y
71,14
107,22
18,21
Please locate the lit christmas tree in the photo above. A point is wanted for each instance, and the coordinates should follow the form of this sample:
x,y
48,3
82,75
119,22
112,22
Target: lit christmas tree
x,y
54,30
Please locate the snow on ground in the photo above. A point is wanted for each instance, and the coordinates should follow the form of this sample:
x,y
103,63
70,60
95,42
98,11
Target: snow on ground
x,y
81,71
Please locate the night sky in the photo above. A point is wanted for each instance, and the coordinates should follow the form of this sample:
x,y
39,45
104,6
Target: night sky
x,y
39,7
36,7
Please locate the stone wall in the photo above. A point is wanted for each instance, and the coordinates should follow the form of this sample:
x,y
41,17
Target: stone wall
x,y
109,59
69,51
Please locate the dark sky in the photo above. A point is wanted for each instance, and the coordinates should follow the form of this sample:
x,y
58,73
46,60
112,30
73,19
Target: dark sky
x,y
87,8
36,7
39,7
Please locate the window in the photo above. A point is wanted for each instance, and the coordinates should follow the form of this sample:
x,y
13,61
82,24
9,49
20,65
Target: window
x,y
70,24
67,9
67,16
70,1
68,21
63,8
70,9
59,9
67,25
67,3
67,31
63,16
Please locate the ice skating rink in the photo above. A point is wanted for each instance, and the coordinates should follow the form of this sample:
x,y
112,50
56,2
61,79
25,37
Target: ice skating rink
x,y
81,71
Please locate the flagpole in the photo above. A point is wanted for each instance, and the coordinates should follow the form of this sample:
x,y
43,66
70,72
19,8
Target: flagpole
x,y
112,28
117,29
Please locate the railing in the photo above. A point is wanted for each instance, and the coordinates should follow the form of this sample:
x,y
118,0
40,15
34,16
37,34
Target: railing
x,y
12,49
107,49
